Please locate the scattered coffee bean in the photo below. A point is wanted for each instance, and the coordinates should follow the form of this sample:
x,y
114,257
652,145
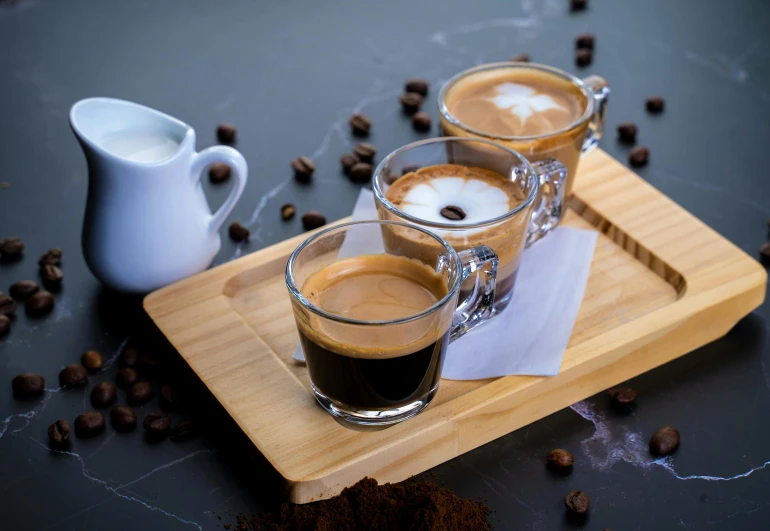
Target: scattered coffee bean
x,y
348,161
59,433
183,431
169,398
455,213
583,57
578,5
39,304
361,172
89,424
585,40
238,232
126,377
303,169
520,58
360,124
73,375
103,394
51,257
577,502
638,156
123,418
627,132
365,152
420,86
410,102
24,289
287,211
11,248
622,395
421,121
139,393
313,220
664,441
5,324
149,360
4,185
764,257
219,172
51,275
654,105
7,305
27,385
92,360
560,458
226,133
129,357
157,424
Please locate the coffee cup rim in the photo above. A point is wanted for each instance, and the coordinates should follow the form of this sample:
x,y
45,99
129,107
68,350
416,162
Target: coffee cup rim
x,y
582,85
297,294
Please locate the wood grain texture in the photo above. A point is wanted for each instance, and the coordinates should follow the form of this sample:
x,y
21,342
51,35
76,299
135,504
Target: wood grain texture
x,y
661,284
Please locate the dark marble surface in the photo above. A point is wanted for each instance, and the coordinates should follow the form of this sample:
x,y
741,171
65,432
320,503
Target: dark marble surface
x,y
288,74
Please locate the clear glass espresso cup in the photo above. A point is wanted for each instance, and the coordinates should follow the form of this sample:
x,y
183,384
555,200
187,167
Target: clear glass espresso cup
x,y
535,207
383,371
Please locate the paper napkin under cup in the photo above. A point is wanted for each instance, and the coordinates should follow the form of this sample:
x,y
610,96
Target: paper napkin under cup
x,y
530,336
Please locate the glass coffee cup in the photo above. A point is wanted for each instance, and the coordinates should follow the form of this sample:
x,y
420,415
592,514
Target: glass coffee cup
x,y
470,192
537,110
375,318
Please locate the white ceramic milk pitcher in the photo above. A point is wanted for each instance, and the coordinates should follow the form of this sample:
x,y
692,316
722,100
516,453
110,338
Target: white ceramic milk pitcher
x,y
147,221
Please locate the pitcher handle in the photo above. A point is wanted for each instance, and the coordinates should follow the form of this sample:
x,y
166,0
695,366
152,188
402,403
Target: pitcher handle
x,y
601,91
240,172
552,176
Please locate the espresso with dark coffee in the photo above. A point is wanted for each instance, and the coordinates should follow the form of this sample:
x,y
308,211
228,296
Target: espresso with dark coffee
x,y
375,366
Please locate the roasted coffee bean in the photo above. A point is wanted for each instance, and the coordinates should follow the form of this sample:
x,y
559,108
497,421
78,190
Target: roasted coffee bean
x,y
420,86
226,133
638,156
764,257
123,418
578,5
104,394
51,257
627,132
92,360
313,220
560,458
59,433
410,102
520,58
28,385
24,289
421,121
664,441
157,424
129,357
39,304
654,105
287,211
183,431
583,57
139,393
622,395
4,185
11,248
303,169
361,172
5,324
51,275
455,213
169,398
73,375
126,377
360,124
238,232
149,360
365,152
7,305
577,502
347,161
89,424
585,40
219,172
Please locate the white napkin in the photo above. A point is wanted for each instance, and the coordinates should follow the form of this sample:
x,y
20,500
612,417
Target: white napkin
x,y
530,335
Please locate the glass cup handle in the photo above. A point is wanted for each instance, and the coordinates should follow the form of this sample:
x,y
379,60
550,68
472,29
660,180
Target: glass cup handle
x,y
552,176
477,308
601,91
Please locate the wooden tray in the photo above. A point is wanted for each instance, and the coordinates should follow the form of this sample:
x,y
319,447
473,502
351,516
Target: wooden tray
x,y
661,284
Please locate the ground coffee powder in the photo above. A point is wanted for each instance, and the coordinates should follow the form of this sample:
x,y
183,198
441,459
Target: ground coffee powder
x,y
408,506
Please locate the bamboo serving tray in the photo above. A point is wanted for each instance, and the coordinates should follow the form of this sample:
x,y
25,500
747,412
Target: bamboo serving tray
x,y
661,284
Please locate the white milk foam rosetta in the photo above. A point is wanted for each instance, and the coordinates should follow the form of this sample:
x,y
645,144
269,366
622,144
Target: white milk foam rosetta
x,y
140,146
523,101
